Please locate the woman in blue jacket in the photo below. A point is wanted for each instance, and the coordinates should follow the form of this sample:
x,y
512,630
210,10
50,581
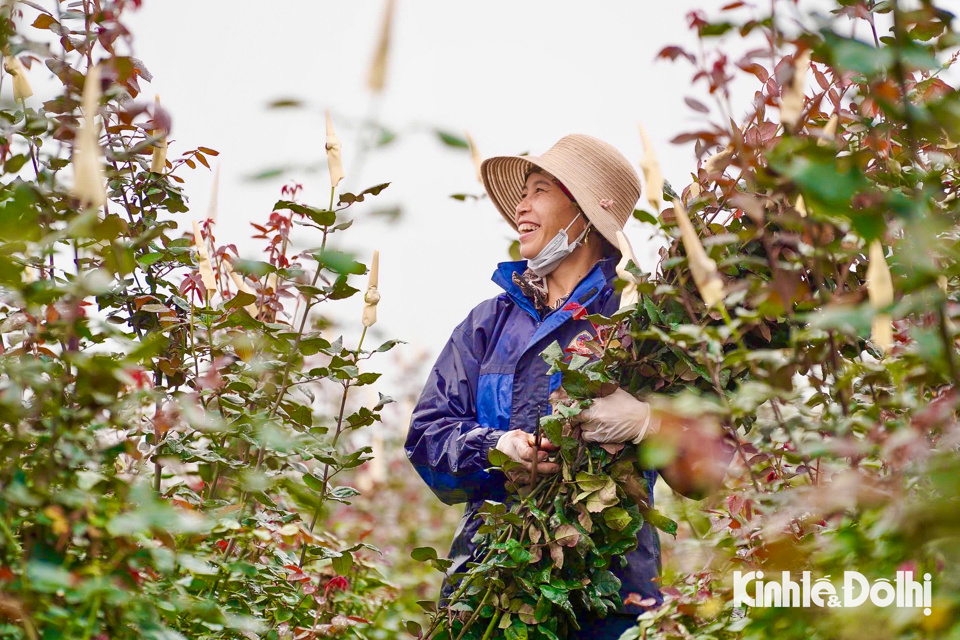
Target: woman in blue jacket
x,y
489,383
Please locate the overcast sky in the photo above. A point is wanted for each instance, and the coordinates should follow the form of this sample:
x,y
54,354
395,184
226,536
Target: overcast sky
x,y
517,75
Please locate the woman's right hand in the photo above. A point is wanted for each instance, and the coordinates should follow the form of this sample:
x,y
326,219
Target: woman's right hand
x,y
518,445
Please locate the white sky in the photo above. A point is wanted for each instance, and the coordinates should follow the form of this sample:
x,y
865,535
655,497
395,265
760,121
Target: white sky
x,y
518,76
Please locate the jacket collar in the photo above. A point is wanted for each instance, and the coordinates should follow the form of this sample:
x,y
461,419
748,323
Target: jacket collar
x,y
601,275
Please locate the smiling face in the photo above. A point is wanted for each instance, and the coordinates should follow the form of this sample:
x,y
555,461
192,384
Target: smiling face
x,y
544,210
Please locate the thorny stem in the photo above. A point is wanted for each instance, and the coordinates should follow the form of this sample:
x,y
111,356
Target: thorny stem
x,y
492,625
463,586
949,343
901,74
285,381
841,391
476,612
729,428
326,467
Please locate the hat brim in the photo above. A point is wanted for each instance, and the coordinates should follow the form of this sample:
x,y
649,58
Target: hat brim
x,y
503,179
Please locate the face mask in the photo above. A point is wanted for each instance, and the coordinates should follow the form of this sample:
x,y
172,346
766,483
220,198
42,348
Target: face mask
x,y
555,251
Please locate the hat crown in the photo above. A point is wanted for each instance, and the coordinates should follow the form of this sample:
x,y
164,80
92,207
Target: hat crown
x,y
600,178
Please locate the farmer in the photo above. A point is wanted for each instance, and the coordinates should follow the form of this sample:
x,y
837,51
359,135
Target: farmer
x,y
489,383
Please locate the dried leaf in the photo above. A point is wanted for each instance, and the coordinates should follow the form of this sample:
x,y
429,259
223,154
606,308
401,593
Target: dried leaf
x,y
703,268
475,155
880,292
158,162
791,100
89,181
333,147
829,131
203,260
376,78
372,297
630,294
652,175
719,161
21,86
251,308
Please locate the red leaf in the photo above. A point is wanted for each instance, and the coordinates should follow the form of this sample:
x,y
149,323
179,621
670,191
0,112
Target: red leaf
x,y
735,504
44,20
696,105
756,69
579,311
690,137
637,599
673,52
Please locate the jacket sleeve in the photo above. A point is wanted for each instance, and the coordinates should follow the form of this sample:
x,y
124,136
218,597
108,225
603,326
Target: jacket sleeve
x,y
446,444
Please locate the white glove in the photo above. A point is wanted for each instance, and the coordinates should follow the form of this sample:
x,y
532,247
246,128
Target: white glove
x,y
518,445
618,417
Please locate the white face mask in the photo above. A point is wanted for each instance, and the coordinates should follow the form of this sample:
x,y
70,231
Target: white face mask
x,y
555,251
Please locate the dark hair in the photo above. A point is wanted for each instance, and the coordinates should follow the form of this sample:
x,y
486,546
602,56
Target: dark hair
x,y
607,249
535,169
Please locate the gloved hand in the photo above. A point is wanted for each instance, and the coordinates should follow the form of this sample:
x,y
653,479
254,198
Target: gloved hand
x,y
618,417
518,445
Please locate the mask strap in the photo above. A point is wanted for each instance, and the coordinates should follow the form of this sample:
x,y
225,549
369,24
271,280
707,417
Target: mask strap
x,y
574,220
582,233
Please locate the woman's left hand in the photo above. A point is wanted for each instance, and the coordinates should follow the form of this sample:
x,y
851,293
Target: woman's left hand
x,y
615,418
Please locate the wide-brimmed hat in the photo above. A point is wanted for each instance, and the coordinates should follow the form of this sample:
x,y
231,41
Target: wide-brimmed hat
x,y
602,181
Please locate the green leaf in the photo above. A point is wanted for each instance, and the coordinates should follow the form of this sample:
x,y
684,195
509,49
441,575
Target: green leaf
x,y
644,216
424,554
389,344
552,426
452,140
557,596
606,583
429,606
313,482
47,577
660,521
341,289
322,217
255,268
339,262
242,299
148,259
617,518
516,631
342,493
14,163
590,481
848,53
498,458
350,198
553,356
301,414
343,563
517,552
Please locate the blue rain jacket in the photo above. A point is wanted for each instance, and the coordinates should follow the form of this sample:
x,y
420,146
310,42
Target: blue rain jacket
x,y
490,378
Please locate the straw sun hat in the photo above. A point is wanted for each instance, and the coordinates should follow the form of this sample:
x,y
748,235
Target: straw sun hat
x,y
601,180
